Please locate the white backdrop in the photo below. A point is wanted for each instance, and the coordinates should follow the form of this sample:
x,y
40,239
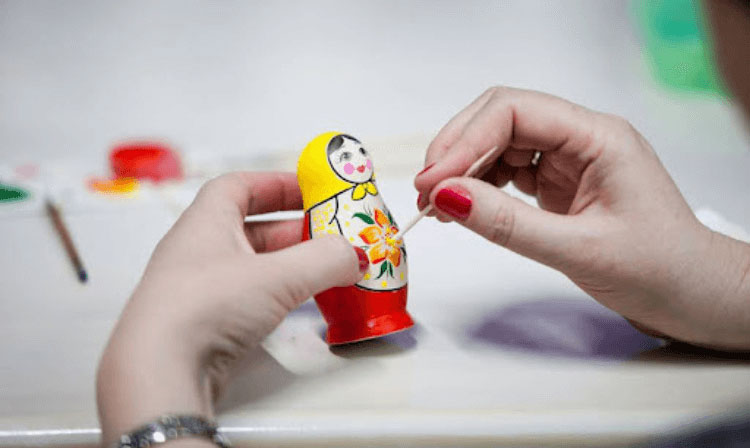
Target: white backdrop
x,y
242,77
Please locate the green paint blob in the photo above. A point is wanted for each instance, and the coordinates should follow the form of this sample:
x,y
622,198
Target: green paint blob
x,y
9,193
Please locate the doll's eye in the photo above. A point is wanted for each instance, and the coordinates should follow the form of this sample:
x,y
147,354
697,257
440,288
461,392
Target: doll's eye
x,y
345,156
363,151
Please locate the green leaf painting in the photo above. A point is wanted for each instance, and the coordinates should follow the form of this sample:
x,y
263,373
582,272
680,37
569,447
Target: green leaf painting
x,y
364,218
383,269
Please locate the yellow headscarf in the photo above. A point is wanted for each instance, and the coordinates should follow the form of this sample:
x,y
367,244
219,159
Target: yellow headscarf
x,y
317,180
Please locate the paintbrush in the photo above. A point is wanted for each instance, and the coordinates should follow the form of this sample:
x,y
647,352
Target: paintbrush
x,y
477,167
54,214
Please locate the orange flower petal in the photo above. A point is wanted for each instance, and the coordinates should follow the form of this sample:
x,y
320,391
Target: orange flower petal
x,y
381,219
377,253
371,234
394,256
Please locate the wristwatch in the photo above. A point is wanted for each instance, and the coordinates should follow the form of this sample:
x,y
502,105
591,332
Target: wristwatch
x,y
170,427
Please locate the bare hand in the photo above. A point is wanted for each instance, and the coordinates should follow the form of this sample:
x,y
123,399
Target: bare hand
x,y
610,216
213,289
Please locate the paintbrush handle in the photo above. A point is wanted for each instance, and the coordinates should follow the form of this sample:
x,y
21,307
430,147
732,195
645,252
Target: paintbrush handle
x,y
62,232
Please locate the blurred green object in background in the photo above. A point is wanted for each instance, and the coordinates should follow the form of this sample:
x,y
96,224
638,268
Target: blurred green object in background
x,y
678,44
9,193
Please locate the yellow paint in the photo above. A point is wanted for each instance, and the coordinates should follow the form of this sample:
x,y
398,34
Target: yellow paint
x,y
316,178
346,207
402,276
123,185
367,276
347,223
384,284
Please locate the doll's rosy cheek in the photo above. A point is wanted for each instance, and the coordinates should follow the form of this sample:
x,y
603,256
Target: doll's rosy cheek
x,y
348,168
369,164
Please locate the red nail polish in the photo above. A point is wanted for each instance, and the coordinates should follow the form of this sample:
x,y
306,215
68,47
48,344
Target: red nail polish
x,y
364,262
419,201
454,201
426,168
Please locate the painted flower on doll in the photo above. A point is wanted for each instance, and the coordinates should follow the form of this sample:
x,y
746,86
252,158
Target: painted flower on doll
x,y
382,247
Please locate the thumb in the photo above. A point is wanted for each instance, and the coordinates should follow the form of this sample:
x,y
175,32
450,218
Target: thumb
x,y
310,267
547,237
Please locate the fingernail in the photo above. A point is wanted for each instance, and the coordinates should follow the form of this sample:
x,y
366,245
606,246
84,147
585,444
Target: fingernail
x,y
419,201
426,168
364,262
454,201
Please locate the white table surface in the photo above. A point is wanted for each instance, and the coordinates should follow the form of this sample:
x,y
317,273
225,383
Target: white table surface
x,y
506,352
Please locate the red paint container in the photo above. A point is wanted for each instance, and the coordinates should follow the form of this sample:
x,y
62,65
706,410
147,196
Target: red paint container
x,y
152,161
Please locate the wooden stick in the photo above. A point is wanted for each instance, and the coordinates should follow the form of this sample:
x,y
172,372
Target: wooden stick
x,y
54,213
475,168
400,234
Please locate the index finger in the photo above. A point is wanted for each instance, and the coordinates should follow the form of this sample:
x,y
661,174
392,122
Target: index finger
x,y
523,119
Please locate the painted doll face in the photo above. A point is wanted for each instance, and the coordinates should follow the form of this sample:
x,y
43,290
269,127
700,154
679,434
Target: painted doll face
x,y
350,160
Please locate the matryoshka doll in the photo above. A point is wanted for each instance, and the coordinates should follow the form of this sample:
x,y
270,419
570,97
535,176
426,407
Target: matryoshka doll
x,y
337,180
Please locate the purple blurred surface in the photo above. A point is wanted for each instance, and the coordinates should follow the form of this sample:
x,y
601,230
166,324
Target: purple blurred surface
x,y
563,327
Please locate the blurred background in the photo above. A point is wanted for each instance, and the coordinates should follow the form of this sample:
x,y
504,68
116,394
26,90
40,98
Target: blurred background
x,y
245,84
253,78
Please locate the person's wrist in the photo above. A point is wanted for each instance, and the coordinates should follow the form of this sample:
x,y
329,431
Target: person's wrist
x,y
726,315
707,289
145,372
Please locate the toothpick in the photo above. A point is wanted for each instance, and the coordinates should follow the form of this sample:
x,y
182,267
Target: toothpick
x,y
473,170
413,222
